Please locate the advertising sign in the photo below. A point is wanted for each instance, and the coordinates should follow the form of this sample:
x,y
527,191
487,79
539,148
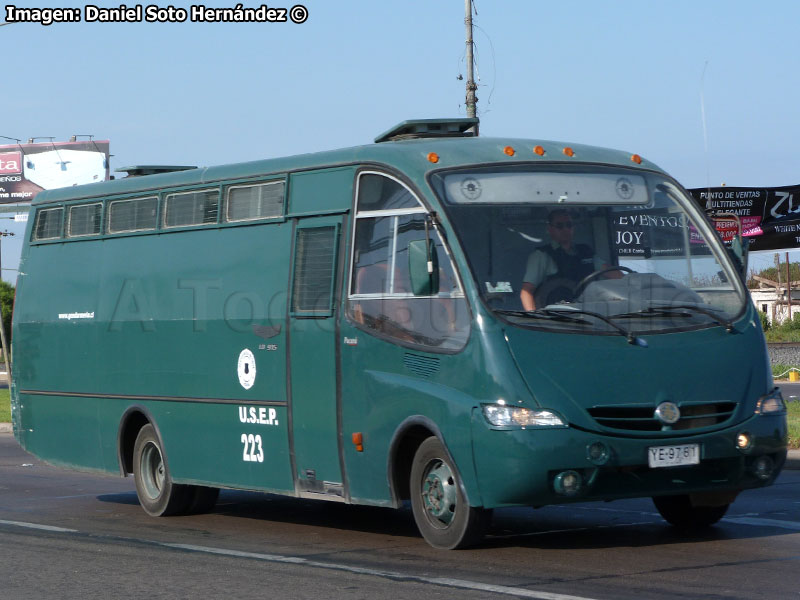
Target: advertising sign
x,y
649,234
769,217
27,169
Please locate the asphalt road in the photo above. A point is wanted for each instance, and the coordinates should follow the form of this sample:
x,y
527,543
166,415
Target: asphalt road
x,y
65,534
790,391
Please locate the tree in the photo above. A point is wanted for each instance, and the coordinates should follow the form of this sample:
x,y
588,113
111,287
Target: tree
x,y
765,324
771,273
7,302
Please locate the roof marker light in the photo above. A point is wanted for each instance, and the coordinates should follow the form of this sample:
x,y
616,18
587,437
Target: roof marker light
x,y
569,151
509,151
538,150
636,158
433,157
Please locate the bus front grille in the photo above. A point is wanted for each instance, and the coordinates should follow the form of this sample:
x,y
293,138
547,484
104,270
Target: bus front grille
x,y
642,417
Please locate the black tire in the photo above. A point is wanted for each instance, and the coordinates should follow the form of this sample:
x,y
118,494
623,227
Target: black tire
x,y
158,495
440,509
678,511
202,499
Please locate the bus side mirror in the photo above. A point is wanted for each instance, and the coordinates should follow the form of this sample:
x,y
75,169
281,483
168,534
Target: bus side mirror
x,y
738,248
423,268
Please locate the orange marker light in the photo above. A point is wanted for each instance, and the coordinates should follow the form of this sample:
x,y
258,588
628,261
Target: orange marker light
x,y
509,151
569,151
433,157
538,150
358,441
636,158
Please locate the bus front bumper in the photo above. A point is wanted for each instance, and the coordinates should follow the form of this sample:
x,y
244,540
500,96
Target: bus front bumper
x,y
557,465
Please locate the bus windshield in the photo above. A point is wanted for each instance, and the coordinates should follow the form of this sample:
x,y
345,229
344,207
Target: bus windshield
x,y
592,249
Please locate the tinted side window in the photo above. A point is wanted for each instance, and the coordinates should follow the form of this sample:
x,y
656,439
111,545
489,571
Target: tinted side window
x,y
377,192
380,298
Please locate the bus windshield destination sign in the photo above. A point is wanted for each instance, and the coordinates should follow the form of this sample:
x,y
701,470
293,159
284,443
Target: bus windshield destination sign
x,y
460,322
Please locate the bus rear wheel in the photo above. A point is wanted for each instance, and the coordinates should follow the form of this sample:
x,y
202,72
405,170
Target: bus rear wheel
x,y
679,511
440,508
158,495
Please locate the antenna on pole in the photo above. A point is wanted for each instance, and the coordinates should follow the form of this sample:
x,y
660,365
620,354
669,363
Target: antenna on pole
x,y
472,99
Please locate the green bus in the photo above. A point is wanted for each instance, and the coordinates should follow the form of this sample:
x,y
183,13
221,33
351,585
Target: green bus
x,y
458,322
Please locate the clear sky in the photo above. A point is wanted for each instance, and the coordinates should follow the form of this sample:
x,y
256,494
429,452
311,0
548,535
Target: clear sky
x,y
623,74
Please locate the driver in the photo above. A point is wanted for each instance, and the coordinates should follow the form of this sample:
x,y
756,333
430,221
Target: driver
x,y
554,270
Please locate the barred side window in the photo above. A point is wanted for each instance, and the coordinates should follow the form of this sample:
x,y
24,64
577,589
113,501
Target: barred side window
x,y
199,207
250,202
140,214
314,264
84,219
48,224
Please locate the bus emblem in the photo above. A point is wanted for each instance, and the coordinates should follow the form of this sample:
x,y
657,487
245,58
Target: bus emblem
x,y
668,413
247,369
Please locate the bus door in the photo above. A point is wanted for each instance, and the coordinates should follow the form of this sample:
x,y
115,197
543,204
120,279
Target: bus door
x,y
313,360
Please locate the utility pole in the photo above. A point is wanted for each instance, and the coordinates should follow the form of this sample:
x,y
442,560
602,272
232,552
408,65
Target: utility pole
x,y
472,99
788,287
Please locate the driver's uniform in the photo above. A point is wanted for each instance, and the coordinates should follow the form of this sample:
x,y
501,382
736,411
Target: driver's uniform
x,y
555,272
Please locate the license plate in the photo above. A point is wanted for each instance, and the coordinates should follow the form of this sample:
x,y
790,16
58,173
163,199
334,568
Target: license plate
x,y
673,456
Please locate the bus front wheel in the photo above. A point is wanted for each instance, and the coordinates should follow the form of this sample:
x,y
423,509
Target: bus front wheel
x,y
440,508
158,495
679,511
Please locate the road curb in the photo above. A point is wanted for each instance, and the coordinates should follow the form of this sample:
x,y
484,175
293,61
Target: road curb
x,y
5,428
793,460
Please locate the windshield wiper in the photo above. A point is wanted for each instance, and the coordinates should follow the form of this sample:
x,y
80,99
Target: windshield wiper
x,y
676,311
632,339
543,314
566,315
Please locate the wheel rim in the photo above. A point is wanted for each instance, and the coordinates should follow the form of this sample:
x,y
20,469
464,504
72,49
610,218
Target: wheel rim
x,y
153,472
439,494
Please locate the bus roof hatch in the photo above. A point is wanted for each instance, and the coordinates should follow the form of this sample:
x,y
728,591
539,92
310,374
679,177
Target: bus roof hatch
x,y
140,170
429,128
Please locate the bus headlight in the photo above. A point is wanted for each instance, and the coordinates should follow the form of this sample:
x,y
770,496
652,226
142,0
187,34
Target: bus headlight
x,y
501,415
771,404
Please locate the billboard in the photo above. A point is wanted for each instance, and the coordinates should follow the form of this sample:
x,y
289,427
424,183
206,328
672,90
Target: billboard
x,y
769,217
27,169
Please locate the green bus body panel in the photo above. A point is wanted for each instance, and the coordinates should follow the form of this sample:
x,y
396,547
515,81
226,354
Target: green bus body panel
x,y
312,193
170,314
380,393
202,443
688,369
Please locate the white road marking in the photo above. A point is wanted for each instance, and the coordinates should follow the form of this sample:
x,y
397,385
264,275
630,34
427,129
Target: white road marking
x,y
794,525
441,581
570,530
37,526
